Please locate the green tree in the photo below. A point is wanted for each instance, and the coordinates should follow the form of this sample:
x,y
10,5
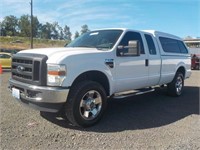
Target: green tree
x,y
61,34
84,29
9,26
54,30
25,26
2,30
67,33
45,31
76,35
36,26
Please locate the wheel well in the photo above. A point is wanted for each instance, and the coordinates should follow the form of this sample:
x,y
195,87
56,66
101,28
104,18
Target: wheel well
x,y
182,70
96,76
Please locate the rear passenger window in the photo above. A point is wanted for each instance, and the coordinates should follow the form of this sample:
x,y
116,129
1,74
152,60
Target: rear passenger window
x,y
182,47
151,45
172,45
169,45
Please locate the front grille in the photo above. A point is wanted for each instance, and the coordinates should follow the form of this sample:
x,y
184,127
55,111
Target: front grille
x,y
29,68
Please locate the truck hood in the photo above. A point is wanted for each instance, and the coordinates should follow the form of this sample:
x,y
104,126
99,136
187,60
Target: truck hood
x,y
68,50
56,55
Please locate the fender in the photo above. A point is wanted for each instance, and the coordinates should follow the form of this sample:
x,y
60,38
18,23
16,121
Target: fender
x,y
77,69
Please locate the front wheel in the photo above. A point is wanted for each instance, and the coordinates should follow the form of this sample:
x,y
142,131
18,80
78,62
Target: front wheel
x,y
175,88
86,103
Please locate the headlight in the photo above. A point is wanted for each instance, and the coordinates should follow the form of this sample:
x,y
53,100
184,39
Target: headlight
x,y
55,74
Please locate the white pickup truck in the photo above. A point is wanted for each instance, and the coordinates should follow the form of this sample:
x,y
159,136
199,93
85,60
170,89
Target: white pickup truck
x,y
79,78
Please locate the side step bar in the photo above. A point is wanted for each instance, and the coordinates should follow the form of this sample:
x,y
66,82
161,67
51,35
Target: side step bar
x,y
132,93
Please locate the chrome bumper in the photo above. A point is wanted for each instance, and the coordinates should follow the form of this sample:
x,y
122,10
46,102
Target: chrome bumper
x,y
43,98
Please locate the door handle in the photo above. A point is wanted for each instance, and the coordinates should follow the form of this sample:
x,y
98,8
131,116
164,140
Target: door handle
x,y
146,62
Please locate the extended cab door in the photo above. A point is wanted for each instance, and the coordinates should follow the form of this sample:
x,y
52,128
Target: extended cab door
x,y
131,71
154,60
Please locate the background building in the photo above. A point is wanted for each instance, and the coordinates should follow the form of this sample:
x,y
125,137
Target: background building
x,y
194,45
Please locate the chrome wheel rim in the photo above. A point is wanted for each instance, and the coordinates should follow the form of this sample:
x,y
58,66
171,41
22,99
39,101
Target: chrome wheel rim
x,y
90,105
179,85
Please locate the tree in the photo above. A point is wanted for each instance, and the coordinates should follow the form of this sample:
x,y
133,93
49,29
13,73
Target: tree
x,y
67,33
188,37
36,26
2,30
76,35
45,31
9,26
25,26
13,26
61,34
55,28
84,29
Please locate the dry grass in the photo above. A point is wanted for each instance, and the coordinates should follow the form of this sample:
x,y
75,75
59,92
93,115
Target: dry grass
x,y
20,43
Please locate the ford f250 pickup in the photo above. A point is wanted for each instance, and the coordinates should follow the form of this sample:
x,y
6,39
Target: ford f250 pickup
x,y
79,78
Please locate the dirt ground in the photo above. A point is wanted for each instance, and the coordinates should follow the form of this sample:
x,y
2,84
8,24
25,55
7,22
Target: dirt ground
x,y
149,121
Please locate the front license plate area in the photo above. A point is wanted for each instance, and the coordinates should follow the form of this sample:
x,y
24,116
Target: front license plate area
x,y
16,93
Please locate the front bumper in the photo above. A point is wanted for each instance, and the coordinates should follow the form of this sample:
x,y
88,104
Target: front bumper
x,y
43,98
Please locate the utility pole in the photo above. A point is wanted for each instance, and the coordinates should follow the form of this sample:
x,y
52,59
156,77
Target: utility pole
x,y
31,3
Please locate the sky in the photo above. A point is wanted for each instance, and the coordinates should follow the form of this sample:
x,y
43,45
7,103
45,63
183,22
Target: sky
x,y
178,17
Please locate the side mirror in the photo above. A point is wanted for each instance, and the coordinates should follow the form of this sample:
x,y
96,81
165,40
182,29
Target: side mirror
x,y
133,49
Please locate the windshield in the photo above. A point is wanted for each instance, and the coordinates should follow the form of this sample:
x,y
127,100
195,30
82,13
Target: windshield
x,y
102,39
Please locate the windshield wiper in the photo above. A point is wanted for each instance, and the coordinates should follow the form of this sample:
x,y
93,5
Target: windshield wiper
x,y
89,46
104,46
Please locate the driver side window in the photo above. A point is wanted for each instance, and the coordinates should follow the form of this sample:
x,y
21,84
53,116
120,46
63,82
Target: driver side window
x,y
130,36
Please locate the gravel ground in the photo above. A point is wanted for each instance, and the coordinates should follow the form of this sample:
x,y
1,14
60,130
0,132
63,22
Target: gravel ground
x,y
150,121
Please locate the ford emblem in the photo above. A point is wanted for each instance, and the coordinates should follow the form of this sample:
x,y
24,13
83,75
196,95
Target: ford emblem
x,y
20,68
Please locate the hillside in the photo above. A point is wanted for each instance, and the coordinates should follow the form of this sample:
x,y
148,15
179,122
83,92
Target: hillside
x,y
21,43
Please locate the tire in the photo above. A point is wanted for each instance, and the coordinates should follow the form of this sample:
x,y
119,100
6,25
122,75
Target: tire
x,y
175,88
197,67
86,104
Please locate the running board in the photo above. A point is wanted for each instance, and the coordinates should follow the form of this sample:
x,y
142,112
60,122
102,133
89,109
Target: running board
x,y
132,93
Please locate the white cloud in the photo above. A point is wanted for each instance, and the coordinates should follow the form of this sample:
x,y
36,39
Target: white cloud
x,y
76,13
72,4
14,7
44,17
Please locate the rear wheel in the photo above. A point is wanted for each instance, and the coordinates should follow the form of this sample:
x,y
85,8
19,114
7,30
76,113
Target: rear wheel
x,y
86,103
175,88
